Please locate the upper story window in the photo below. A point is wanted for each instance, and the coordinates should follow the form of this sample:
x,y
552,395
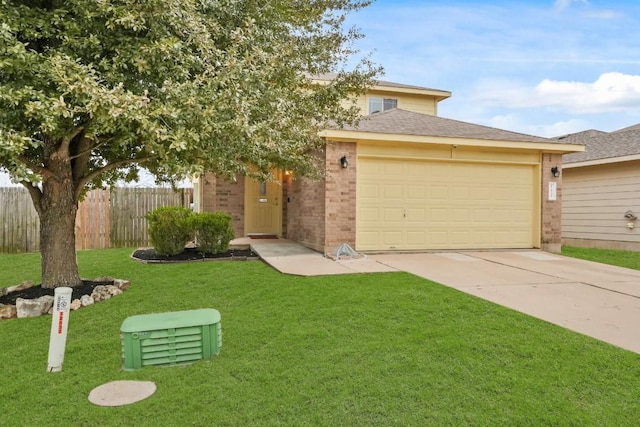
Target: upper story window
x,y
378,105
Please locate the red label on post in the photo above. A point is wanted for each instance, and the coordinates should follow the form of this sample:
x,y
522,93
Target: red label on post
x,y
60,318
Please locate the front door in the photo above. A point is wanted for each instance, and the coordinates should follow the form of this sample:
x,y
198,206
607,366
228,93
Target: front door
x,y
263,207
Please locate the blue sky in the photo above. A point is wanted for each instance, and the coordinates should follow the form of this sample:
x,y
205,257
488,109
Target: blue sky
x,y
545,68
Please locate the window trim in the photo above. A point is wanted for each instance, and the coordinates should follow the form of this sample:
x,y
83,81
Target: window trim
x,y
382,101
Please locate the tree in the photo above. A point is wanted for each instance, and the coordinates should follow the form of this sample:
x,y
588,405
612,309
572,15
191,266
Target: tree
x,y
92,90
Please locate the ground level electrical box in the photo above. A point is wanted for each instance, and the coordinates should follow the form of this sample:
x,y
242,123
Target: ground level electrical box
x,y
170,339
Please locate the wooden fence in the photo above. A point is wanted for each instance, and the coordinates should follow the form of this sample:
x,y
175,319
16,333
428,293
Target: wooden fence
x,y
106,218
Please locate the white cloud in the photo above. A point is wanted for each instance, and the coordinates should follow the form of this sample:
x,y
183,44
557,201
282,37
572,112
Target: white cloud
x,y
522,124
611,92
563,127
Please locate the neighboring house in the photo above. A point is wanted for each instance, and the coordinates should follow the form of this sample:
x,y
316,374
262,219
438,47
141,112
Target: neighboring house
x,y
601,199
405,179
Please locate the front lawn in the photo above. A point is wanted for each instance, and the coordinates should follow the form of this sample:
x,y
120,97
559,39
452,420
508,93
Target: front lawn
x,y
356,350
627,259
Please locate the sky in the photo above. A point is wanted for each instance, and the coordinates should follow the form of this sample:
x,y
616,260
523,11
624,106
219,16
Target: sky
x,y
545,68
540,67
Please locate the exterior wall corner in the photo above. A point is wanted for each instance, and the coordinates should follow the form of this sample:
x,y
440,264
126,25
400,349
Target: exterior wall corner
x,y
551,215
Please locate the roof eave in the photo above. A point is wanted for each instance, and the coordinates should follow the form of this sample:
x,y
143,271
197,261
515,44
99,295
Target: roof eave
x,y
438,94
596,162
359,136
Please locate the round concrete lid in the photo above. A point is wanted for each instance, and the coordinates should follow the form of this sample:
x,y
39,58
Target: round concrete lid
x,y
118,393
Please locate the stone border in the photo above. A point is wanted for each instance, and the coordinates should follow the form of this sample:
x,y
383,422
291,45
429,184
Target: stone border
x,y
44,304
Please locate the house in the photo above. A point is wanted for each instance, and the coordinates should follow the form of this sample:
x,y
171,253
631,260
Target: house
x,y
405,179
601,198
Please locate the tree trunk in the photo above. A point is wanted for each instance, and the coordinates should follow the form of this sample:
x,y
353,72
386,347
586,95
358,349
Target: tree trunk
x,y
58,206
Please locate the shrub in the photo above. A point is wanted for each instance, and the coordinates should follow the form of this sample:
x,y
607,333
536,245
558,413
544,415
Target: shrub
x,y
169,229
213,231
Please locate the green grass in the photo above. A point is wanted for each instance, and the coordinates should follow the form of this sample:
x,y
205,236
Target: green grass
x,y
626,259
358,350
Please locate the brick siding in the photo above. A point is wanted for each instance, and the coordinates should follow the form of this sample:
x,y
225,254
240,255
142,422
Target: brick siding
x,y
340,197
223,195
305,211
551,227
321,214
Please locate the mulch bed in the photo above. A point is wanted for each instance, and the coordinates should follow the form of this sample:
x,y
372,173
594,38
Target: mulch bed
x,y
38,291
193,254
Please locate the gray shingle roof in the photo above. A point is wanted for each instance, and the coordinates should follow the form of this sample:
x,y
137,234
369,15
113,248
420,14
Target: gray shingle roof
x,y
404,122
632,127
603,145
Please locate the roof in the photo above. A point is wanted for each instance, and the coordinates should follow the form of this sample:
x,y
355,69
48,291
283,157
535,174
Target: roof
x,y
404,122
383,84
408,126
604,147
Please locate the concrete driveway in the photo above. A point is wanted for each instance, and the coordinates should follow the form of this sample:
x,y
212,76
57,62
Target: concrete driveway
x,y
598,300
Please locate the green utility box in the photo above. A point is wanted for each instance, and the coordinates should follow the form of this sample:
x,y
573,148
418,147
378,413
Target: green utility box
x,y
170,339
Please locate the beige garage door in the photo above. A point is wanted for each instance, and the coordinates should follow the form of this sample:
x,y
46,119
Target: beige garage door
x,y
406,204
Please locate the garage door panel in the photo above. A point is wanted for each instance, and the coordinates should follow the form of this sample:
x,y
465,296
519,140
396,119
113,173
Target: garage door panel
x,y
460,193
416,192
369,215
392,191
439,215
418,216
502,215
392,239
483,215
417,238
460,237
369,192
438,192
438,238
406,204
460,215
482,236
368,238
392,216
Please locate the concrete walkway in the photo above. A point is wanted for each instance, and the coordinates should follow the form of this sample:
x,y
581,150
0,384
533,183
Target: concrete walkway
x,y
598,300
292,258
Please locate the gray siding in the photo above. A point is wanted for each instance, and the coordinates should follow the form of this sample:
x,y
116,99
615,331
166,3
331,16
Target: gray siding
x,y
595,199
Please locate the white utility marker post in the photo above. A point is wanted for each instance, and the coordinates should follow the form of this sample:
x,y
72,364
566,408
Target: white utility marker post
x,y
59,322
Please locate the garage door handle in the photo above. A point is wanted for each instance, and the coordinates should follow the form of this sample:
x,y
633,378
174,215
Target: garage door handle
x,y
404,213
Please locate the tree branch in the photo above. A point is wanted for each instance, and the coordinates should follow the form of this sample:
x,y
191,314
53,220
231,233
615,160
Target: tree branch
x,y
36,195
63,150
81,182
89,150
46,173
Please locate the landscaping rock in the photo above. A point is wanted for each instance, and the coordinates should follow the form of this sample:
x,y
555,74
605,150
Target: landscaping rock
x,y
104,292
8,312
114,290
21,287
86,300
123,285
100,293
33,307
36,300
